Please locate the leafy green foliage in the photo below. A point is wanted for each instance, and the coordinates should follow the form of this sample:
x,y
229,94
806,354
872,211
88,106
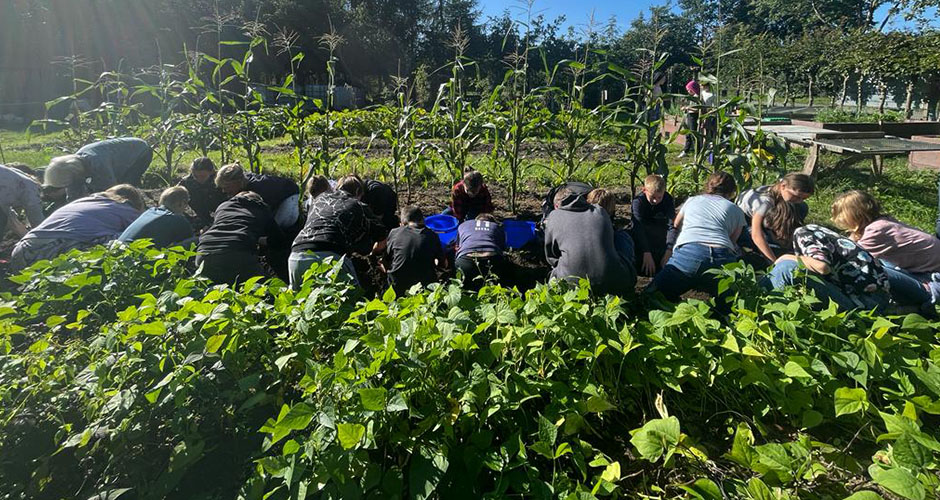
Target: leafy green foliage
x,y
119,375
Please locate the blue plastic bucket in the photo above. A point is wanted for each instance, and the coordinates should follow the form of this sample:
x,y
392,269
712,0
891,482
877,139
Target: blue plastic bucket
x,y
518,232
444,225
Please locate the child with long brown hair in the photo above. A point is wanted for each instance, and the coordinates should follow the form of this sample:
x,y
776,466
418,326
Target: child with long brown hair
x,y
775,212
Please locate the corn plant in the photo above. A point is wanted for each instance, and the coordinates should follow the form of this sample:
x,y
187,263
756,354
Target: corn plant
x,y
459,118
116,115
168,128
77,130
406,152
292,117
571,129
252,124
214,95
324,159
514,119
639,117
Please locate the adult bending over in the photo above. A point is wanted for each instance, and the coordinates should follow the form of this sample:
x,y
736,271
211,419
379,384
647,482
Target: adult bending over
x,y
166,224
84,223
708,226
96,167
470,197
228,249
338,225
774,212
580,243
382,200
18,191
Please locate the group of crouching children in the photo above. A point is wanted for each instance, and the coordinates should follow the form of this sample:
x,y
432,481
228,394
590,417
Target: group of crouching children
x,y
229,214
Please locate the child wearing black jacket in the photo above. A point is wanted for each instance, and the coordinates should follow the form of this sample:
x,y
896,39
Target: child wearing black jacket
x,y
654,211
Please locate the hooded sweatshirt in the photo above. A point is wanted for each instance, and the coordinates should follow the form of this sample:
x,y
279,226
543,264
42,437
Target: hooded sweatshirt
x,y
579,243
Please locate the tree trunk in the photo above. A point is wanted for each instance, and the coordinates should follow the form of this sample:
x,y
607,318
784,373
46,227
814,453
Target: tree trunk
x,y
859,93
845,91
786,94
812,98
883,87
908,98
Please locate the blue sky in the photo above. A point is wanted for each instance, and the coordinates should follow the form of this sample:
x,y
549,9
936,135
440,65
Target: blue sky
x,y
578,12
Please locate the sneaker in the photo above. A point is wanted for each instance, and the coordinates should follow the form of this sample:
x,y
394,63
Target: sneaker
x,y
934,287
681,155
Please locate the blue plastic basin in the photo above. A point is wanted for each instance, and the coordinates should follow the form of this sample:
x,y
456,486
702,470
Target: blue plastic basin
x,y
518,232
444,225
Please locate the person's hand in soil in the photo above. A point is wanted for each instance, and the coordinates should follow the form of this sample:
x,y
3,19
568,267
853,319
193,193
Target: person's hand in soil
x,y
649,265
666,257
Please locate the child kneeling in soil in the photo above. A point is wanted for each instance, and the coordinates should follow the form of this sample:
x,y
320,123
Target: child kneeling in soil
x,y
653,212
580,242
165,225
415,252
709,225
470,197
204,195
774,213
911,257
228,249
851,276
480,246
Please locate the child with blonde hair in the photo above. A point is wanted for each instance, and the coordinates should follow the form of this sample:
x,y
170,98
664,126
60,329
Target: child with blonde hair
x,y
653,213
907,253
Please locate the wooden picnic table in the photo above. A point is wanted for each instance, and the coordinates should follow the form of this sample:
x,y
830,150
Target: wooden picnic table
x,y
856,146
857,149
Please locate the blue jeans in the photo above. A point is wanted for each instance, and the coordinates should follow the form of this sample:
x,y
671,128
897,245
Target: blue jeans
x,y
906,289
784,274
299,262
686,270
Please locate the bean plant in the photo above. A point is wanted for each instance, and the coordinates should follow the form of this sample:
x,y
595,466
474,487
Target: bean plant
x,y
121,374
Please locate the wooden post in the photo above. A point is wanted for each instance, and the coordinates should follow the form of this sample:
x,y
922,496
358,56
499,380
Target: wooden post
x,y
812,160
877,165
